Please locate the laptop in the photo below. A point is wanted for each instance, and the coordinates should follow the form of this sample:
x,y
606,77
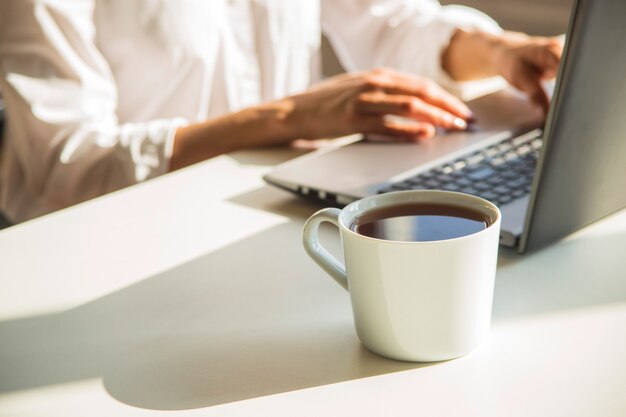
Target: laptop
x,y
548,181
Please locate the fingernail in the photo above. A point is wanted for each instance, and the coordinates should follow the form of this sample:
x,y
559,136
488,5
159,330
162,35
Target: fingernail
x,y
460,123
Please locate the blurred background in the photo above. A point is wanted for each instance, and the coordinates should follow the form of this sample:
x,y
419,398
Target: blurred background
x,y
536,17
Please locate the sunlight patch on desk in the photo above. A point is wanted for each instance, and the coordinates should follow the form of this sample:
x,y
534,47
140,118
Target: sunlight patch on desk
x,y
69,399
132,254
536,284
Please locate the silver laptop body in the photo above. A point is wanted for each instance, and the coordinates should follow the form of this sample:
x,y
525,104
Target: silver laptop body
x,y
578,166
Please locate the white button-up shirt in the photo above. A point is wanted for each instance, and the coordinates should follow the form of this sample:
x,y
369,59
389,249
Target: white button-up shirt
x,y
95,89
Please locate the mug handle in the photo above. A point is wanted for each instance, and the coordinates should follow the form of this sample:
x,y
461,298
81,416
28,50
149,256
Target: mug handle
x,y
315,249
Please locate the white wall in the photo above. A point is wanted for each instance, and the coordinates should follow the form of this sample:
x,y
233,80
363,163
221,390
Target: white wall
x,y
537,17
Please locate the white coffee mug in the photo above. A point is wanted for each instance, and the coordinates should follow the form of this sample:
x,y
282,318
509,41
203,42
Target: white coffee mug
x,y
414,301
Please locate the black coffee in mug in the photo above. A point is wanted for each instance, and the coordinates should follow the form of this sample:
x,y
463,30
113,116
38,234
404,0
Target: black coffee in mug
x,y
420,222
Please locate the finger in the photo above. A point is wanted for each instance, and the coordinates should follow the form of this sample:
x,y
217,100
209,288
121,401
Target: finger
x,y
546,59
411,127
556,45
432,93
549,74
394,82
529,81
400,131
407,106
435,95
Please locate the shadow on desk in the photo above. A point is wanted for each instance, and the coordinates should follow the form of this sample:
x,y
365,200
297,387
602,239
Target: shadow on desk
x,y
244,321
269,156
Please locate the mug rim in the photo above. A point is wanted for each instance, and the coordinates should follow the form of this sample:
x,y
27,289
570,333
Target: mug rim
x,y
482,203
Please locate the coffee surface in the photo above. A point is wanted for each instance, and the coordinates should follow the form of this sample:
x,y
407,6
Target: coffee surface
x,y
420,222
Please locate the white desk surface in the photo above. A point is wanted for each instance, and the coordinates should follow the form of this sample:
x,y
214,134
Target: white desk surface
x,y
191,295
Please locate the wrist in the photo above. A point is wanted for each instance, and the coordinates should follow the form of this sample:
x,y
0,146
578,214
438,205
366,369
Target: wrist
x,y
473,55
503,47
278,121
490,49
290,118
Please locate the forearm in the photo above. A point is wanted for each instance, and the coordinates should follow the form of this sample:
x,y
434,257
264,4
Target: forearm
x,y
265,124
472,55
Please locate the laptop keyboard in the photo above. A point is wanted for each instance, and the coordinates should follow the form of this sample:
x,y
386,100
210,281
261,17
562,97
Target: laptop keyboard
x,y
501,173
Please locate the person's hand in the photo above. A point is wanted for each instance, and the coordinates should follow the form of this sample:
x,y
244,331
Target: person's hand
x,y
525,62
342,105
363,102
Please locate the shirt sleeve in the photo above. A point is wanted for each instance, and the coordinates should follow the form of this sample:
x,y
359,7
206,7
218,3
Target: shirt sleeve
x,y
409,35
63,134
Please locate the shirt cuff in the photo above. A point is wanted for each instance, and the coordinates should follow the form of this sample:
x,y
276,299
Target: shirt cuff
x,y
150,146
168,148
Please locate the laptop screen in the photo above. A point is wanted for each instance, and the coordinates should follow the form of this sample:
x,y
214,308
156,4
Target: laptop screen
x,y
581,170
